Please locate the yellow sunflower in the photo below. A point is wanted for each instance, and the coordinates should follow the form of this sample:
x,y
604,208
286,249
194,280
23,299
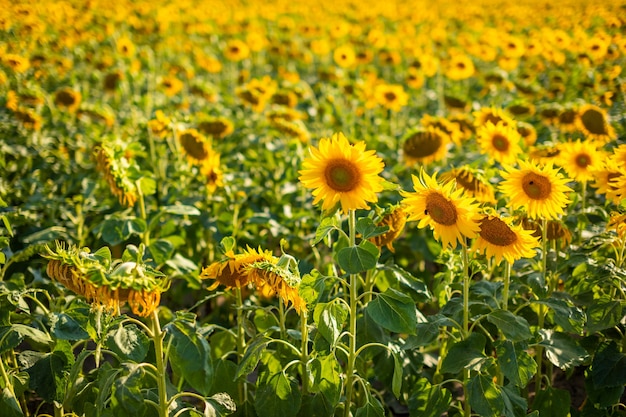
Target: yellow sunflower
x,y
391,96
594,122
473,186
236,50
459,67
67,98
344,56
271,278
579,159
194,145
528,133
491,114
499,239
212,172
231,271
606,177
451,215
425,145
539,189
500,142
342,173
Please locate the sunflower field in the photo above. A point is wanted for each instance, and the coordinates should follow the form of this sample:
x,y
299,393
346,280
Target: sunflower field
x,y
311,208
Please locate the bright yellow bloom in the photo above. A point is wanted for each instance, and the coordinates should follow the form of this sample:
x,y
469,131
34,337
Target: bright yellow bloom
x,y
500,142
499,239
579,159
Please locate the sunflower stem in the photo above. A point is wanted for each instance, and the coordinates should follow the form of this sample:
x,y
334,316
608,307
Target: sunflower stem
x,y
507,282
304,352
542,308
353,310
467,411
142,211
157,338
241,346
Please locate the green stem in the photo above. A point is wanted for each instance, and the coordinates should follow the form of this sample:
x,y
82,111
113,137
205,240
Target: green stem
x,y
304,352
467,411
507,282
142,211
5,377
241,346
542,308
353,311
281,319
157,337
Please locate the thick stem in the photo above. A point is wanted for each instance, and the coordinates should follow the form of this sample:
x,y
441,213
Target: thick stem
x,y
467,411
241,345
157,338
142,211
542,308
353,311
304,352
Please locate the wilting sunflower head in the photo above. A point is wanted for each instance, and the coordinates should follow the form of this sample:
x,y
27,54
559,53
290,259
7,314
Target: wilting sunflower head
x,y
451,215
120,172
594,123
395,219
472,184
540,190
499,239
231,272
425,145
339,172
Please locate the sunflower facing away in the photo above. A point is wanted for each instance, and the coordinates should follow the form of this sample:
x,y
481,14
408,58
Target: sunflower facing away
x,y
395,219
499,239
425,145
339,172
452,216
539,189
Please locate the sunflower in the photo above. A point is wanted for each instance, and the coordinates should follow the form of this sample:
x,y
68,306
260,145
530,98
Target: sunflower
x,y
556,231
171,85
341,172
617,222
606,176
212,172
293,128
118,172
216,127
499,239
425,145
471,184
528,133
236,50
391,96
459,67
544,153
395,219
446,126
452,216
344,56
566,120
540,189
231,271
17,63
500,142
271,278
594,123
579,159
159,126
68,99
125,46
29,118
491,114
194,145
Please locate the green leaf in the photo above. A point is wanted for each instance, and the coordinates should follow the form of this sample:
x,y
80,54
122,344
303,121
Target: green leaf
x,y
127,397
514,404
279,397
161,250
514,328
367,228
312,287
69,327
550,402
327,225
372,408
396,382
394,311
222,405
330,319
427,333
326,374
516,364
602,397
251,358
561,349
356,259
226,373
603,315
485,397
116,230
147,186
181,210
181,265
9,338
9,405
129,342
569,317
467,353
7,225
48,374
190,355
413,285
608,368
32,334
427,400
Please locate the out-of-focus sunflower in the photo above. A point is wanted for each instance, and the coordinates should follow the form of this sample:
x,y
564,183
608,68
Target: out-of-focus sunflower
x,y
292,128
159,126
595,124
236,50
500,142
395,219
195,145
424,145
212,172
443,124
459,67
216,126
68,99
579,159
257,92
118,172
29,118
606,177
550,113
451,215
17,63
494,115
468,180
528,133
339,172
539,190
344,56
125,46
544,153
391,96
498,238
566,120
171,85
556,231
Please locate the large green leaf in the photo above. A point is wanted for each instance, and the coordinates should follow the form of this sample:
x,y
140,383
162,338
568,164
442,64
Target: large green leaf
x,y
516,364
569,317
372,408
561,349
485,396
327,225
552,402
327,379
70,325
48,371
394,311
608,368
427,400
427,332
355,259
514,404
415,287
129,342
330,319
251,358
190,355
9,404
32,334
279,396
161,250
368,229
603,315
127,396
514,328
9,338
467,353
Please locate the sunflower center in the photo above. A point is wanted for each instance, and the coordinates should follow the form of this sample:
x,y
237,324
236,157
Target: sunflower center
x,y
536,186
390,96
583,160
422,144
497,232
440,209
594,122
500,142
342,175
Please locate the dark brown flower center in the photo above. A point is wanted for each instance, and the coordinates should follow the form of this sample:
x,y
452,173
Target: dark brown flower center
x,y
342,175
390,96
497,232
440,209
594,121
536,187
500,142
194,146
583,160
422,144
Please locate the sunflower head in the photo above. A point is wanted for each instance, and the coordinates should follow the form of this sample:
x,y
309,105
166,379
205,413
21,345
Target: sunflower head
x,y
499,239
594,122
395,220
471,183
339,172
195,145
425,145
501,141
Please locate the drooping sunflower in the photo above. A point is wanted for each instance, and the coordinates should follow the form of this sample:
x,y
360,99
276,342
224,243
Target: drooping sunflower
x,y
498,238
579,159
473,185
339,172
231,271
118,171
594,122
425,145
500,142
451,215
395,219
274,277
538,189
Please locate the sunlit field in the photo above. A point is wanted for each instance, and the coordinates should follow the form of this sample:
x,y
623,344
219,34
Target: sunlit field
x,y
312,209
